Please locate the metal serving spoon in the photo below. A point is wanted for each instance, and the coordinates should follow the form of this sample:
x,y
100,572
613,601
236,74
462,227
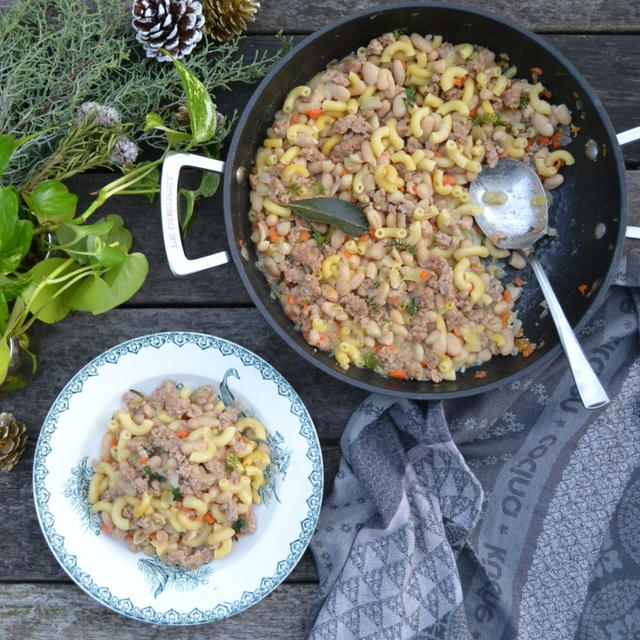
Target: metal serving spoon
x,y
517,223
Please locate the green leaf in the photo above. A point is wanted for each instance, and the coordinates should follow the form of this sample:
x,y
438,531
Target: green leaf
x,y
11,286
209,184
15,234
5,357
88,295
68,234
45,302
339,213
51,200
202,111
105,255
123,281
7,145
186,214
154,121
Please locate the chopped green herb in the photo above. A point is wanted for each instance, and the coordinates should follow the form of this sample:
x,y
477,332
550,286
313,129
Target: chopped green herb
x,y
377,282
294,189
137,393
374,306
412,307
370,361
176,493
410,96
238,525
275,292
321,240
233,461
399,32
402,245
152,475
524,102
317,188
487,118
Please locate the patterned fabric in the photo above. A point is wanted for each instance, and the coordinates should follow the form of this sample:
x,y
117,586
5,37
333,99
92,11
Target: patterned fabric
x,y
514,514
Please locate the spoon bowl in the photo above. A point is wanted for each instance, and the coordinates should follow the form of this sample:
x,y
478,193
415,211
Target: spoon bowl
x,y
514,216
514,204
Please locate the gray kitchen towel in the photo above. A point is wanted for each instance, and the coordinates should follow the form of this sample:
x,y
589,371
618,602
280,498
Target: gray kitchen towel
x,y
514,514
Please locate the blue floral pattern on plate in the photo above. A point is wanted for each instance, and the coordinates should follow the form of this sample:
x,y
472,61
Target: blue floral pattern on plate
x,y
78,484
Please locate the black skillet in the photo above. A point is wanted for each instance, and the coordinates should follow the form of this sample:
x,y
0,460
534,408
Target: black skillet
x,y
588,211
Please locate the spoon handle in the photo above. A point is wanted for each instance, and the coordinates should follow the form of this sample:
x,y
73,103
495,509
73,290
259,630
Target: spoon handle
x,y
591,391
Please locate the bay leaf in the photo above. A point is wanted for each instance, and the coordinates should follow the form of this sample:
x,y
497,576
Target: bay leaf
x,y
338,213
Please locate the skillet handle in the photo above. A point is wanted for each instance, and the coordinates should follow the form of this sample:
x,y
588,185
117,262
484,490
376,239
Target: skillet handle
x,y
630,135
179,264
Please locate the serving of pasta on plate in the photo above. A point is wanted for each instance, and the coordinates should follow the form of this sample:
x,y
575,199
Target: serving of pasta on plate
x,y
401,128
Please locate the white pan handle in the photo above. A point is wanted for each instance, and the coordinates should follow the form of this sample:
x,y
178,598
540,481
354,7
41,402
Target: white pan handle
x,y
630,135
179,264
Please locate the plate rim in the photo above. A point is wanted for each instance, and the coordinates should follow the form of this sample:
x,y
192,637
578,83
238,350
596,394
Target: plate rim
x,y
68,561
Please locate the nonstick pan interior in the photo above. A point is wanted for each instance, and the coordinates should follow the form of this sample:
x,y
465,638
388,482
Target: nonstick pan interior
x,y
588,210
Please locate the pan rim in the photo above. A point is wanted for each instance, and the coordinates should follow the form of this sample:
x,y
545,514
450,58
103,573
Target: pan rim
x,y
396,387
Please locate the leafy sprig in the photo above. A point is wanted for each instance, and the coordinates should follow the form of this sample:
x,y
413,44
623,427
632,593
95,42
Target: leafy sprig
x,y
370,361
402,245
487,118
153,475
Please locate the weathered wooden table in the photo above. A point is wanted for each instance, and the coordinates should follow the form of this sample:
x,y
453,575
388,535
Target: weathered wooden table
x,y
37,600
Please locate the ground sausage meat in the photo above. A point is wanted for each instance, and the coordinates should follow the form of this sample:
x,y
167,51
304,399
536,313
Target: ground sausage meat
x,y
182,467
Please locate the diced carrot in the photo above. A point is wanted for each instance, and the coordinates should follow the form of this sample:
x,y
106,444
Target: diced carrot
x,y
293,119
394,299
314,114
143,460
290,299
114,442
347,254
423,364
557,135
472,112
153,535
244,439
583,289
404,64
128,537
208,518
438,154
372,233
400,374
546,93
448,179
458,82
501,153
377,347
536,70
543,141
528,350
105,527
574,129
506,295
505,318
423,274
518,281
274,236
556,144
181,433
519,333
343,172
480,374
363,237
304,236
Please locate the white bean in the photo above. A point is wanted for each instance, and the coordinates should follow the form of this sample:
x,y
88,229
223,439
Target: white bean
x,y
517,261
541,124
398,72
399,107
370,72
562,114
454,345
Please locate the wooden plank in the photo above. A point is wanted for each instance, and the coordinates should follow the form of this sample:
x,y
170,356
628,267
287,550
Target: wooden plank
x,y
537,15
572,16
217,287
67,346
40,611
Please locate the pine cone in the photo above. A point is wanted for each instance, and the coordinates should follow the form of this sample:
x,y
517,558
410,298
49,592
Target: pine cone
x,y
174,25
13,439
227,18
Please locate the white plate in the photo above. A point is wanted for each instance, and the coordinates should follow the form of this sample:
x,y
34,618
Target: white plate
x,y
142,587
